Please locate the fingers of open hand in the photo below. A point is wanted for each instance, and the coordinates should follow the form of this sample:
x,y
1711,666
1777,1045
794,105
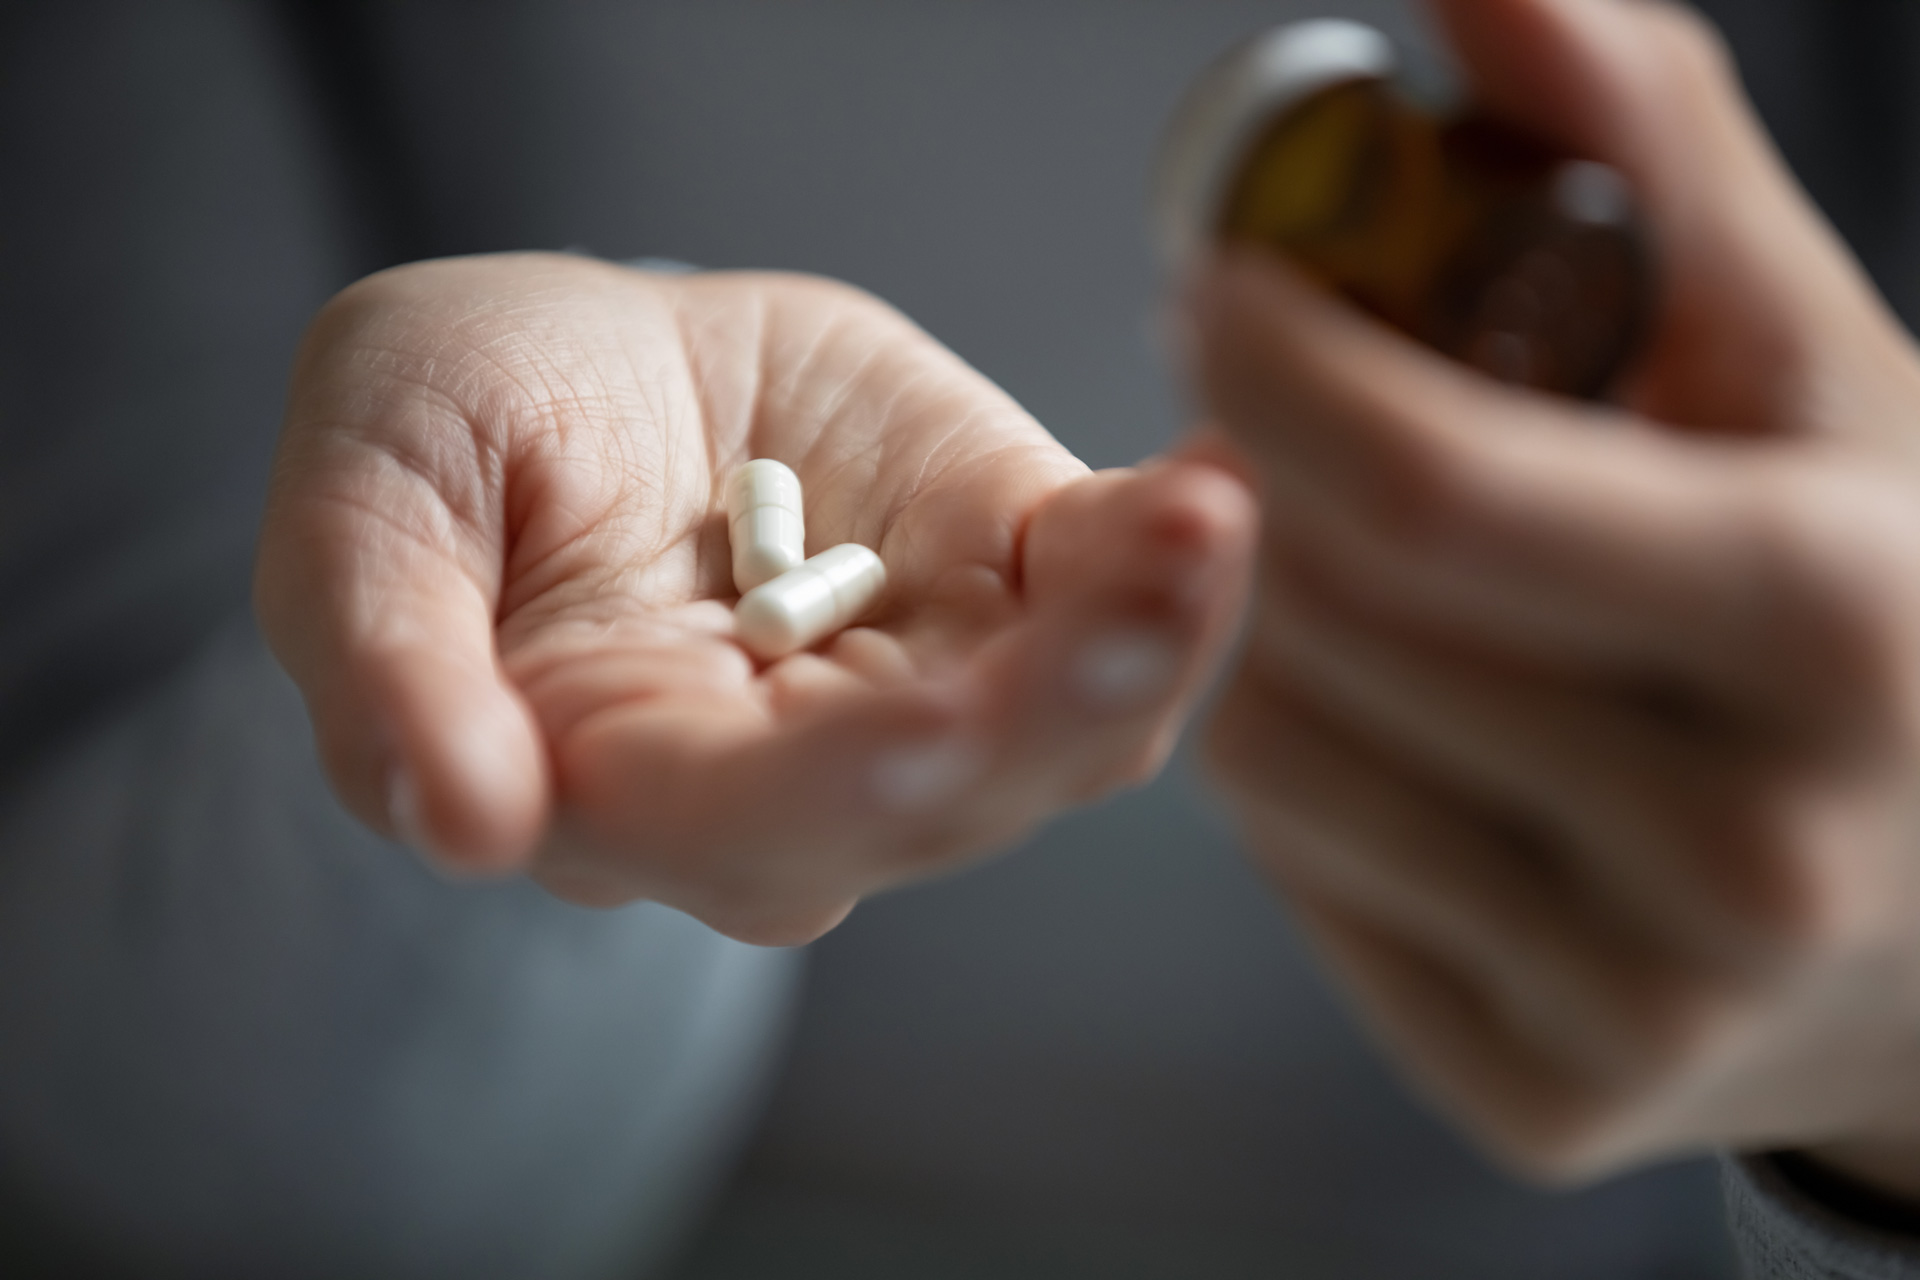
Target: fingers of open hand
x,y
768,812
466,773
766,829
422,734
383,552
1133,582
375,587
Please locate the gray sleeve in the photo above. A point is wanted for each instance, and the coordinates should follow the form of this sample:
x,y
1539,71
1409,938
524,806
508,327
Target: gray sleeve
x,y
240,1036
1784,1232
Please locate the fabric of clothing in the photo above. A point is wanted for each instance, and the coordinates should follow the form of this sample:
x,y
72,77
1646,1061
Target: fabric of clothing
x,y
240,1036
1784,1231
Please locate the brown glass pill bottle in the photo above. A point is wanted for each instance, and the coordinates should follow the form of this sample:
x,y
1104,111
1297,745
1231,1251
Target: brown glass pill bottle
x,y
1477,239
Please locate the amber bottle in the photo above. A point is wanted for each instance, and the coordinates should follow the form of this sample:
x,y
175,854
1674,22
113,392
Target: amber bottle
x,y
1479,240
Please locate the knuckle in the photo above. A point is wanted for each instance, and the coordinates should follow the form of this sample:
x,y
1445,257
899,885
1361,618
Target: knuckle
x,y
1777,862
1820,903
1824,566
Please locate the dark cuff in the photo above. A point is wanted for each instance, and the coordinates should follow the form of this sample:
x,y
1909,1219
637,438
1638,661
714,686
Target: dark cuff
x,y
1792,1220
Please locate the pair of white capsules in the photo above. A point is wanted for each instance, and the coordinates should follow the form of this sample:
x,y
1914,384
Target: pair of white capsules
x,y
788,602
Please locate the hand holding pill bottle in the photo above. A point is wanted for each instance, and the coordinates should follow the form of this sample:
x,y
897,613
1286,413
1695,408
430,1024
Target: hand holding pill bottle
x,y
1585,757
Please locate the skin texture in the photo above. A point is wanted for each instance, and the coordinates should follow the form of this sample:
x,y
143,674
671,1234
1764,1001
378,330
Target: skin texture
x,y
496,561
1585,740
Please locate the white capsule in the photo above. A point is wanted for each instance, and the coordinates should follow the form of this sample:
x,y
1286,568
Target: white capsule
x,y
805,605
765,522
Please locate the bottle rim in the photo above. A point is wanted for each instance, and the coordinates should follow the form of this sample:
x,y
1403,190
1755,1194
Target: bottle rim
x,y
1232,101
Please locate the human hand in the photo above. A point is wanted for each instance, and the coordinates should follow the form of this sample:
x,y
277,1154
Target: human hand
x,y
1586,740
495,559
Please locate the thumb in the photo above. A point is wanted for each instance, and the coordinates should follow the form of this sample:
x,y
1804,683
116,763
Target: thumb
x,y
388,630
1751,275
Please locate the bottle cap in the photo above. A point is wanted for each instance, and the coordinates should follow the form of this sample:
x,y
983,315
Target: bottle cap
x,y
1233,101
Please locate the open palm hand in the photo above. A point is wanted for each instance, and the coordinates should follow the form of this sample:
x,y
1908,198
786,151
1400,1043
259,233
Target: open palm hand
x,y
496,561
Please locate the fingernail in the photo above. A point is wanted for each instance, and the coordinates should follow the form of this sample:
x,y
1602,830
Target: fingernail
x,y
403,812
1124,671
915,779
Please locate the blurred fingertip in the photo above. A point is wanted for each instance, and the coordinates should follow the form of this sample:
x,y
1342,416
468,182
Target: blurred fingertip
x,y
506,768
475,802
1199,513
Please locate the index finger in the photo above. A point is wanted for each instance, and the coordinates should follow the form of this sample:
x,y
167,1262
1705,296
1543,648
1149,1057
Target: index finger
x,y
1538,526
